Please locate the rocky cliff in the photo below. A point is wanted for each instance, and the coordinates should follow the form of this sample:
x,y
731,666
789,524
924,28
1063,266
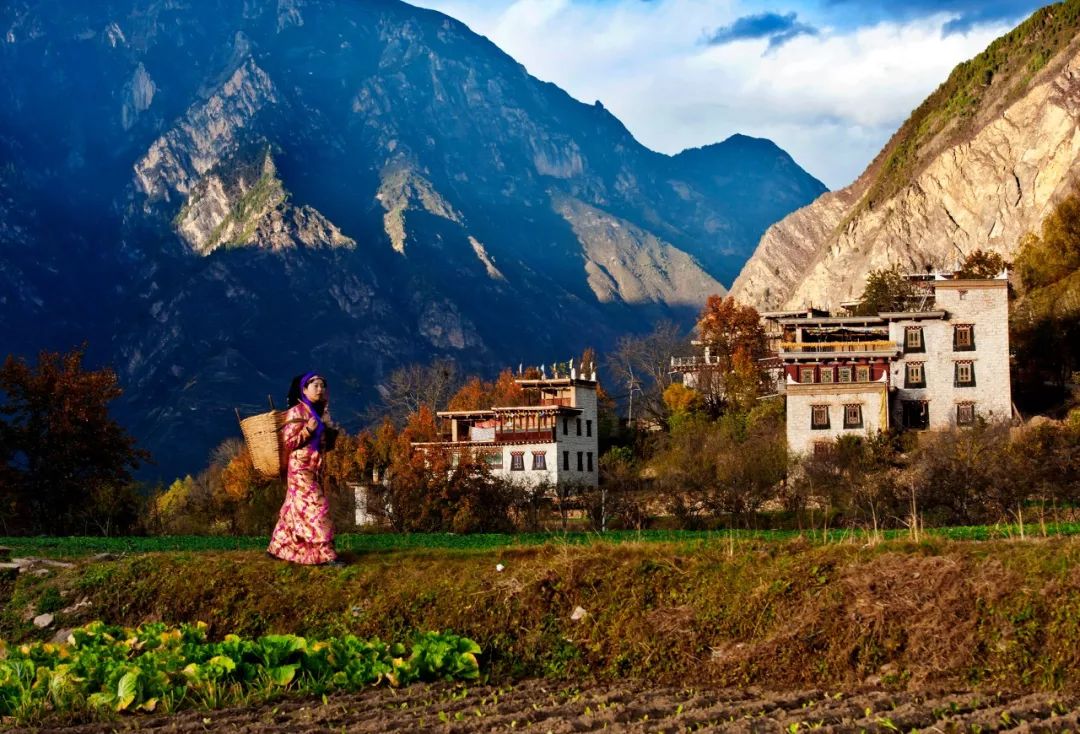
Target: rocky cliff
x,y
980,163
219,195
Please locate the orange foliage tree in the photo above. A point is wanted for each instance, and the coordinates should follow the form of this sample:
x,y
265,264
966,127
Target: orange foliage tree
x,y
476,394
728,327
66,462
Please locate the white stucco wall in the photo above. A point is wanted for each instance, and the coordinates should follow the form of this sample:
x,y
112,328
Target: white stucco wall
x,y
528,475
984,304
801,436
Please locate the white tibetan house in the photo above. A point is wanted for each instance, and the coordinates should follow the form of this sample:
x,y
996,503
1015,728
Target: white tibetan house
x,y
551,439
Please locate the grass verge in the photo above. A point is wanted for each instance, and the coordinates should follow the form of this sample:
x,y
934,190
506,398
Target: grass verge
x,y
75,547
1001,614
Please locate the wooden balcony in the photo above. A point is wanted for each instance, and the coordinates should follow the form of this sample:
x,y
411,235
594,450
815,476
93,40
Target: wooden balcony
x,y
534,436
871,347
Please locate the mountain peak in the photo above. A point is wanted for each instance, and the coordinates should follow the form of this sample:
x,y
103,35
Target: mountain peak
x,y
243,189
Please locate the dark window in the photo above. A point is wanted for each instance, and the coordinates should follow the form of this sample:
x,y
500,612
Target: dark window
x,y
494,459
826,374
965,414
579,426
862,374
913,340
588,456
823,448
965,374
517,461
806,374
853,416
963,337
588,428
566,460
914,375
580,463
566,426
819,416
539,460
845,374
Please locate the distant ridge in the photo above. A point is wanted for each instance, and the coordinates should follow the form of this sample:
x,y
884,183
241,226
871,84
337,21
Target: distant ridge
x,y
219,195
980,162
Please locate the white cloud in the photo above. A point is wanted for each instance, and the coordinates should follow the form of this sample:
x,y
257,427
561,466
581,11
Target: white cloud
x,y
831,100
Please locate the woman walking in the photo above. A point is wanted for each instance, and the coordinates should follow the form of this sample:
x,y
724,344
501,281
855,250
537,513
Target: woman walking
x,y
304,533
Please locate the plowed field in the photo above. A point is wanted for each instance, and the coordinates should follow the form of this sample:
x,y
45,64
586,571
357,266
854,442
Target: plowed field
x,y
542,706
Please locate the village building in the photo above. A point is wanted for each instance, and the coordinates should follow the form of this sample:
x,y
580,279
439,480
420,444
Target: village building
x,y
941,362
551,438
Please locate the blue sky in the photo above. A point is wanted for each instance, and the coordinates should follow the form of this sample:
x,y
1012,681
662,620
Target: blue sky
x,y
827,80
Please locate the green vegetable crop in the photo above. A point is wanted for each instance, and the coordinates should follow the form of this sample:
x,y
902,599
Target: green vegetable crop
x,y
104,668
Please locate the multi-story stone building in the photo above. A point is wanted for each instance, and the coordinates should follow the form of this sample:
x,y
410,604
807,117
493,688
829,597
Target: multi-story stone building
x,y
943,365
944,362
551,438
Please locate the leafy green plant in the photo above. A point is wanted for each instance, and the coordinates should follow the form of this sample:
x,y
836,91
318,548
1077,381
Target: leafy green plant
x,y
116,669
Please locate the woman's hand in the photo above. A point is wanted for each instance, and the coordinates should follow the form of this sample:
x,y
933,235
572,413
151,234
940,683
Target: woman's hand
x,y
312,424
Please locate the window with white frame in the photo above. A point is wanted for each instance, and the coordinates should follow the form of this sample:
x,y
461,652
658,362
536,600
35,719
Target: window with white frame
x,y
826,374
806,374
862,373
844,374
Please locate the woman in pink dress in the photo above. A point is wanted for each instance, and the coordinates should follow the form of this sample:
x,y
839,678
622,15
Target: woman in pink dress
x,y
304,533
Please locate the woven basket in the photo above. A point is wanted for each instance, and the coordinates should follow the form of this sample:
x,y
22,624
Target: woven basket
x,y
262,434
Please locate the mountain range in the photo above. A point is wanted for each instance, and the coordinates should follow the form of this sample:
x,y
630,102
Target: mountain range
x,y
216,196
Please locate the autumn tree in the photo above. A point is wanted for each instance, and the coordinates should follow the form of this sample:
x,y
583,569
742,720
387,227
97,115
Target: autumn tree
x,y
729,328
737,344
1045,321
477,394
982,264
887,289
1053,256
66,460
682,400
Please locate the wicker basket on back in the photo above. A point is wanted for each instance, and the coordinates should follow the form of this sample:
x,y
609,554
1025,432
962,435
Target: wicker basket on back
x,y
262,434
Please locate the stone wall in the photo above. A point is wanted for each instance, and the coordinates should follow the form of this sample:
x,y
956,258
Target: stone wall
x,y
983,304
871,396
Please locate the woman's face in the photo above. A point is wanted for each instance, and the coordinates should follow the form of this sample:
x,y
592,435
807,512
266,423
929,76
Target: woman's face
x,y
315,391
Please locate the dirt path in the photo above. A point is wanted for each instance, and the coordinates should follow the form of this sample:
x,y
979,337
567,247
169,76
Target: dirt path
x,y
541,706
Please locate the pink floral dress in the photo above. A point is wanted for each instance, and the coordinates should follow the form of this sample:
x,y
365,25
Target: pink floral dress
x,y
303,533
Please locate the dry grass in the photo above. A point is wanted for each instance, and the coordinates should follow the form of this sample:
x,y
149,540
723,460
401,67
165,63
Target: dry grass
x,y
997,614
